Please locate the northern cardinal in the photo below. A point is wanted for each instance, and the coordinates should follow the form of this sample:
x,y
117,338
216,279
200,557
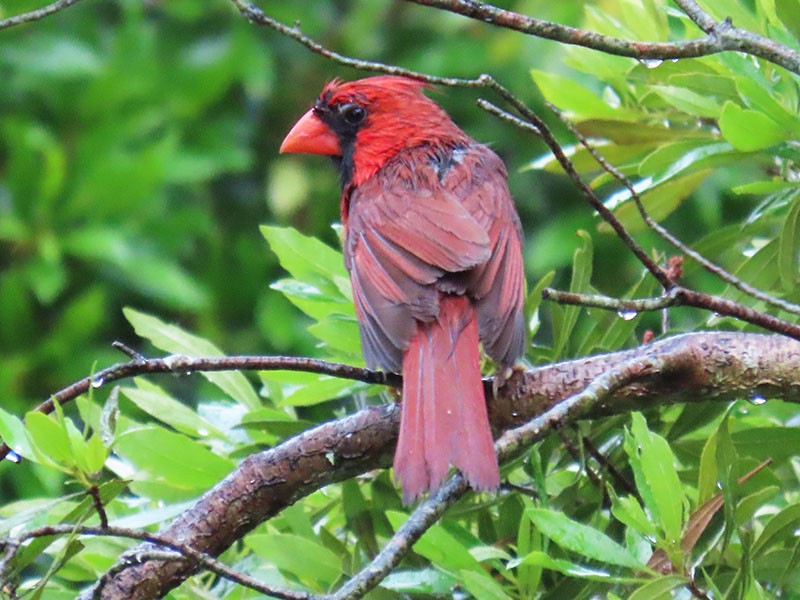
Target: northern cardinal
x,y
433,245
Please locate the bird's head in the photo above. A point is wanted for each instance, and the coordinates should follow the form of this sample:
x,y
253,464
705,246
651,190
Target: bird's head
x,y
364,123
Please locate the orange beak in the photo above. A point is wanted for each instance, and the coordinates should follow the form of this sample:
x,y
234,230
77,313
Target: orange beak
x,y
311,136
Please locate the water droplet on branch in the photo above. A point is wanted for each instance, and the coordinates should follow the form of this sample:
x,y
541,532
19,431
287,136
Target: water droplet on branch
x,y
627,314
651,63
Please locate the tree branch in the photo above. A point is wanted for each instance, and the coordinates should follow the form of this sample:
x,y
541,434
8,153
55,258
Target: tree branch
x,y
169,549
700,17
677,296
663,232
186,364
36,15
686,368
721,37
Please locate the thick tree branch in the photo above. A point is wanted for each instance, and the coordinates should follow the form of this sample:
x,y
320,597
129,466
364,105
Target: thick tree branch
x,y
36,15
686,368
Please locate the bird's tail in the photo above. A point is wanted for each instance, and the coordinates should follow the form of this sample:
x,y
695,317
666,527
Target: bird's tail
x,y
444,420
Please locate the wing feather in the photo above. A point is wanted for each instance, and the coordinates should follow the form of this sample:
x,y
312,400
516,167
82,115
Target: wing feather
x,y
415,231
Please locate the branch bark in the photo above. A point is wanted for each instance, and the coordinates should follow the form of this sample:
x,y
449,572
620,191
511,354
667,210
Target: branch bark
x,y
36,15
720,36
692,367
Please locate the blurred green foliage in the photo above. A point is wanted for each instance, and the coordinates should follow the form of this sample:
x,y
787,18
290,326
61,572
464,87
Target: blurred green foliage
x,y
138,158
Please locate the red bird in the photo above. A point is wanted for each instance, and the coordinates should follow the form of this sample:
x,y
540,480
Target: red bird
x,y
434,249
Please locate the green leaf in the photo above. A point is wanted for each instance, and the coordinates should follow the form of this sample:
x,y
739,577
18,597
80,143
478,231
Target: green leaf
x,y
767,186
481,585
749,130
708,475
727,459
172,338
15,435
760,443
340,334
572,97
439,546
157,403
275,421
172,458
658,589
528,540
659,201
582,539
701,105
308,259
49,437
306,389
656,473
421,581
765,99
569,568
779,528
789,249
681,158
789,13
311,300
534,301
96,454
564,320
747,507
309,561
627,510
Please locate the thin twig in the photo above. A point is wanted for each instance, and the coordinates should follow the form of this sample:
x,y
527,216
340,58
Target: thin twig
x,y
610,467
665,233
579,457
187,364
36,15
94,492
547,137
723,37
127,350
257,16
180,550
678,296
423,517
700,17
628,307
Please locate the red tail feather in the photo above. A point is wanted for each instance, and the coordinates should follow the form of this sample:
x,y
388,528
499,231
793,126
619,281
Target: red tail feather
x,y
444,420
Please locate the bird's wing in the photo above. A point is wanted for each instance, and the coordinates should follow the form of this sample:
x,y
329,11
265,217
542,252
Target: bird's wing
x,y
406,231
421,227
497,285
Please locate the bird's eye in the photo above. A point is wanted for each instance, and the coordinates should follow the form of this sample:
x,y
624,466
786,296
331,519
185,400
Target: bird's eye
x,y
354,114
